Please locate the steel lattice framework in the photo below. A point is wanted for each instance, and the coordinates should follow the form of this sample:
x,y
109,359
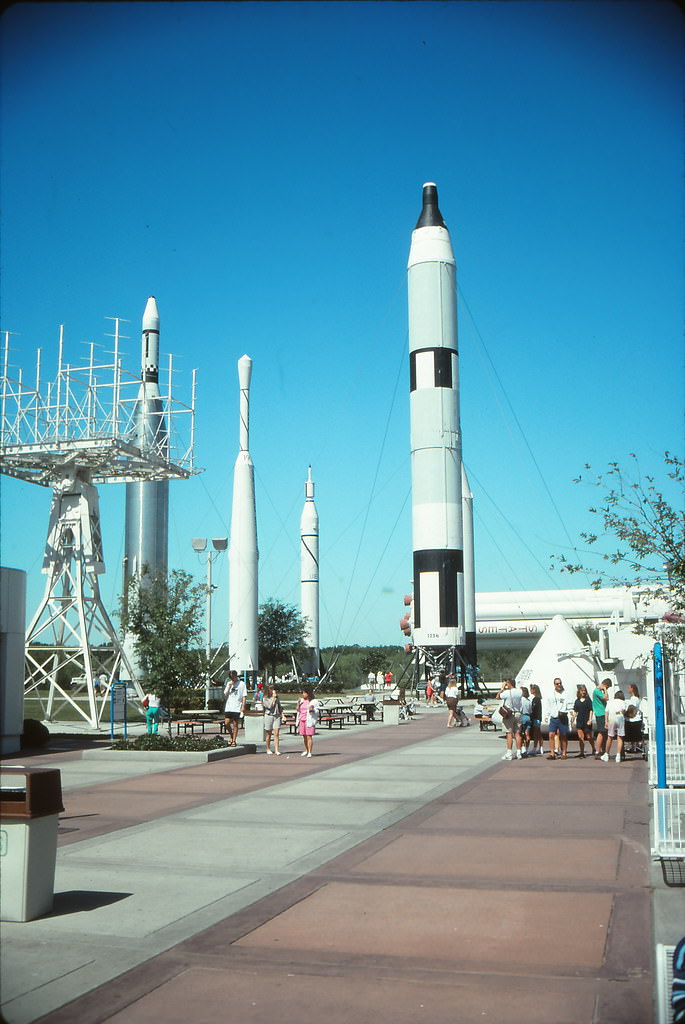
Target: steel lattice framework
x,y
71,434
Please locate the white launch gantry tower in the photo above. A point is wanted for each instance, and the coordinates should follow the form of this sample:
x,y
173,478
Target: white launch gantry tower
x,y
76,432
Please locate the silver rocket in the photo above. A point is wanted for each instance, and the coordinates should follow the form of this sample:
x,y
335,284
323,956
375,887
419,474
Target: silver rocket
x,y
242,552
470,651
437,525
309,575
147,502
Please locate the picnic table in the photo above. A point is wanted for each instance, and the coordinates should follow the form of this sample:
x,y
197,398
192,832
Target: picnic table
x,y
338,712
197,719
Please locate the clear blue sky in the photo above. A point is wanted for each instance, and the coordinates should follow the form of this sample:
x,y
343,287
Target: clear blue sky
x,y
258,168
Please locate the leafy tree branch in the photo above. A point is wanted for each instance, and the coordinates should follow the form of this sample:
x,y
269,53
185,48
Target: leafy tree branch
x,y
640,536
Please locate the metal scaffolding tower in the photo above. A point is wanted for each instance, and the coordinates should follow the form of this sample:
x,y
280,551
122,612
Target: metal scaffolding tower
x,y
80,430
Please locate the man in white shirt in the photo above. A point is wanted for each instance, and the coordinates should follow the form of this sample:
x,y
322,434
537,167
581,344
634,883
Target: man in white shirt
x,y
557,707
511,722
236,695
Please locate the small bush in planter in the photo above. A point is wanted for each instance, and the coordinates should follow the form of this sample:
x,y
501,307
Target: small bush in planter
x,y
35,734
172,744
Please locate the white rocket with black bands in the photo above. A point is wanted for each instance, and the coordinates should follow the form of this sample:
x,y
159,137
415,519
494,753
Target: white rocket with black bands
x,y
242,552
437,525
147,501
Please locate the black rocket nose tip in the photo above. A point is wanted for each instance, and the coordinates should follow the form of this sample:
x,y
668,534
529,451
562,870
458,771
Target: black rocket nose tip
x,y
430,213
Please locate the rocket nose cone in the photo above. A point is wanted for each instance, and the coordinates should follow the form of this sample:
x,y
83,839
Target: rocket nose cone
x,y
430,212
244,371
151,315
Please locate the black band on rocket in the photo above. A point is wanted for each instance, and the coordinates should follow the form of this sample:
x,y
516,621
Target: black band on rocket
x,y
448,564
442,367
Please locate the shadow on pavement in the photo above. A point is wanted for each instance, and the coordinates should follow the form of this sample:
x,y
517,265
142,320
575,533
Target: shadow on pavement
x,y
75,901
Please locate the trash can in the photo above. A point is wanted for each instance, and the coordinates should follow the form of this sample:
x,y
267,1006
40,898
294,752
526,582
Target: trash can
x,y
30,802
391,712
254,726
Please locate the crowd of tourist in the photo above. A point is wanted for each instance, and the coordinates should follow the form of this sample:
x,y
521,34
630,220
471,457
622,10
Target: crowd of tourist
x,y
598,719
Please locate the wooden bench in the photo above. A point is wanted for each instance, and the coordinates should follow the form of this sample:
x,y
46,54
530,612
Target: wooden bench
x,y
486,722
332,717
352,714
289,718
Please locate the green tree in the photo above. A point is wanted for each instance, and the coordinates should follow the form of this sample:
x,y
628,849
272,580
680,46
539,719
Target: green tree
x,y
495,665
373,660
163,614
282,632
649,527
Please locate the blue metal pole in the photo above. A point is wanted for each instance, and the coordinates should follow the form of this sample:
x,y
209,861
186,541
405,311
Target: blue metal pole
x,y
659,717
661,794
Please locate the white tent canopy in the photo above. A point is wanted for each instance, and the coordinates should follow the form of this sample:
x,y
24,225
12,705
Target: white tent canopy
x,y
560,653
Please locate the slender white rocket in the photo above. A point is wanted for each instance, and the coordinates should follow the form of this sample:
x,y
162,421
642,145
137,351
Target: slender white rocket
x,y
435,432
242,553
309,575
147,501
470,651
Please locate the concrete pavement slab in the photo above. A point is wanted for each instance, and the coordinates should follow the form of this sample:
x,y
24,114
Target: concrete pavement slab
x,y
463,926
311,810
545,860
500,816
200,994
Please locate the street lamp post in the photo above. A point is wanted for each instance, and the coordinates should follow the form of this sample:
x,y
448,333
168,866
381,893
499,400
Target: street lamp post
x,y
200,545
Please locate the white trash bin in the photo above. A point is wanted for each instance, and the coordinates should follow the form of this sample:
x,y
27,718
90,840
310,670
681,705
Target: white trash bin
x,y
30,802
391,712
254,726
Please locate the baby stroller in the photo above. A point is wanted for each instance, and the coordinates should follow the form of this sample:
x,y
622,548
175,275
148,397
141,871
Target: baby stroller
x,y
461,716
407,711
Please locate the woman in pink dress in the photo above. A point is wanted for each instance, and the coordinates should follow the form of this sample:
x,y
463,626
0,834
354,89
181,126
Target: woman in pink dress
x,y
307,717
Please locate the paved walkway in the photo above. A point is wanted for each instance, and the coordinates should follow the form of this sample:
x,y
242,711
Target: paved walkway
x,y
402,873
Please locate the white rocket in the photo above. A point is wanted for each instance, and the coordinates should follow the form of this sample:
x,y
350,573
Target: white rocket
x,y
435,434
242,552
470,651
309,575
147,502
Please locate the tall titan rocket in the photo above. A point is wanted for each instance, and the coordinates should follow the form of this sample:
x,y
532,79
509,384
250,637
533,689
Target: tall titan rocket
x,y
242,552
147,502
309,576
437,524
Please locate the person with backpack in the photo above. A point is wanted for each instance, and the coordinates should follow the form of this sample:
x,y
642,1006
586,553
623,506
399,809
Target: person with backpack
x,y
510,713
